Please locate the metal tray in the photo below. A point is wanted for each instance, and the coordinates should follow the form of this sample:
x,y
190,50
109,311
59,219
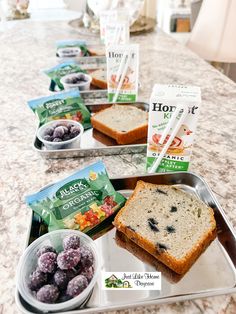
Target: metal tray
x,y
97,96
89,63
93,142
214,273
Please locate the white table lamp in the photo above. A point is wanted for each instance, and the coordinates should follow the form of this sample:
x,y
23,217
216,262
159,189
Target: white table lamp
x,y
214,34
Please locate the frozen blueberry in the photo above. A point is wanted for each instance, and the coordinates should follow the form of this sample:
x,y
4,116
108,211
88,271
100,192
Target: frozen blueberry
x,y
65,129
68,259
69,126
48,138
47,262
63,297
86,256
58,132
76,285
61,279
81,78
49,131
48,294
57,139
75,130
71,242
72,273
66,137
45,249
71,80
88,273
37,279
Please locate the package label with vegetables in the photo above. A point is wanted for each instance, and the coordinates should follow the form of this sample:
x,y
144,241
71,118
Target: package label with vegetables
x,y
60,70
81,201
66,105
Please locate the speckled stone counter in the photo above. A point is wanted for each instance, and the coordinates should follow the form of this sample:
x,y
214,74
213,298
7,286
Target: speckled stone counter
x,y
25,50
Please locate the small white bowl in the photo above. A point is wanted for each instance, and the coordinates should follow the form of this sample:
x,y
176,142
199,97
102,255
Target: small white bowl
x,y
28,263
82,86
64,144
69,52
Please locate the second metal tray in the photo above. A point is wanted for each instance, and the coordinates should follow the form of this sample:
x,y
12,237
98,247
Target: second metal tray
x,y
214,272
93,142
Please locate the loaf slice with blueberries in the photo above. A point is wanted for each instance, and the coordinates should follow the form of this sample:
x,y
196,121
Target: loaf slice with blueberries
x,y
172,225
99,78
124,123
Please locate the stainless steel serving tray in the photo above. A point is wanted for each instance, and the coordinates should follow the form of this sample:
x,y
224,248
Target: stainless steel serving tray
x,y
94,143
214,273
88,63
97,96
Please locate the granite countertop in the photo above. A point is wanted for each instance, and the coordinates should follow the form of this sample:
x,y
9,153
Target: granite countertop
x,y
23,171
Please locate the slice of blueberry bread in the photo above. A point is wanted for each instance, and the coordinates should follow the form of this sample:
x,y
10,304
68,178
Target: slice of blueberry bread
x,y
172,225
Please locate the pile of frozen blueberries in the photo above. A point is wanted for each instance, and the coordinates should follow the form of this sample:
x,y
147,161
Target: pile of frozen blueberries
x,y
62,276
76,79
61,132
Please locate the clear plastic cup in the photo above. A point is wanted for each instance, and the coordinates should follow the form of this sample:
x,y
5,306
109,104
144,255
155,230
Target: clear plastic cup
x,y
82,85
28,263
64,144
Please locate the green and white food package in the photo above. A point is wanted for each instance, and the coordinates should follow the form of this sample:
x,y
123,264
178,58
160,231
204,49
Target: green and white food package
x,y
81,201
163,103
128,56
65,105
60,70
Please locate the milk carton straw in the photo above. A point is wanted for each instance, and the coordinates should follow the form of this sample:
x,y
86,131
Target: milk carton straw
x,y
173,115
122,72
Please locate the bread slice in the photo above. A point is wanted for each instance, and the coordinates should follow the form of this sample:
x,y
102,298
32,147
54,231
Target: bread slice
x,y
124,242
169,223
125,123
96,51
99,78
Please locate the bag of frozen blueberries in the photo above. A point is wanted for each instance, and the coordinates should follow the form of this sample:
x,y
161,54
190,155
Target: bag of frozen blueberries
x,y
60,70
81,201
71,48
66,105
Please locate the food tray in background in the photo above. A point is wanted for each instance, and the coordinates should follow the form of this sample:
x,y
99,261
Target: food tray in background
x,y
101,58
97,96
95,143
214,273
89,64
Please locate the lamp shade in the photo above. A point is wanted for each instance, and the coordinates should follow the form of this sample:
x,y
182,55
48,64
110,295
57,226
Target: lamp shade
x,y
214,34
